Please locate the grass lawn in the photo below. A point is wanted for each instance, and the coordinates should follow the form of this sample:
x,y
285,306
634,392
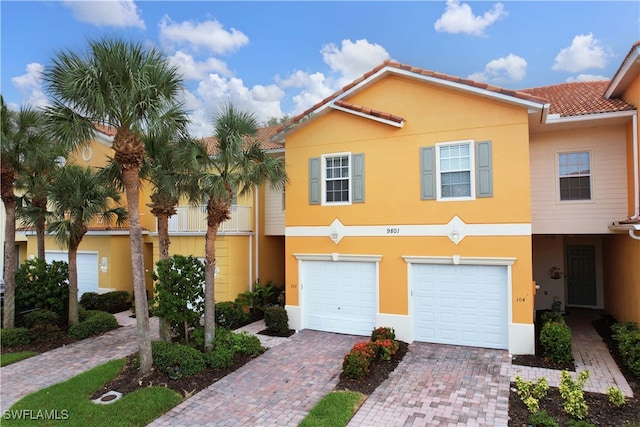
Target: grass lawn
x,y
68,403
9,358
334,410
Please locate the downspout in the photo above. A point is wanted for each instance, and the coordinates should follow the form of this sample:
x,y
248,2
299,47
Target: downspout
x,y
257,232
636,178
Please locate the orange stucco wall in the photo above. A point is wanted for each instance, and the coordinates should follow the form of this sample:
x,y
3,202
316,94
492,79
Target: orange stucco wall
x,y
392,184
622,277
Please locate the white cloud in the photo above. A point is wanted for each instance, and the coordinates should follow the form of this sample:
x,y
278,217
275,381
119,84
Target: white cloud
x,y
586,78
585,52
192,69
30,84
209,35
511,69
459,18
353,59
114,13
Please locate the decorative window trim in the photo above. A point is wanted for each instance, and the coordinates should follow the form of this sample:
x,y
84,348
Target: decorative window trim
x,y
323,178
472,173
592,194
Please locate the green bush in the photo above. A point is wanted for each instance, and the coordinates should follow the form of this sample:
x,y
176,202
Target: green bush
x,y
386,348
14,336
97,323
555,338
542,419
616,398
41,323
356,363
42,285
227,343
230,315
530,393
220,357
111,302
277,320
177,360
383,333
247,344
627,337
572,394
552,316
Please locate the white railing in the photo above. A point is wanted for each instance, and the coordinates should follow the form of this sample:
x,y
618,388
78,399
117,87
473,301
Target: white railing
x,y
194,219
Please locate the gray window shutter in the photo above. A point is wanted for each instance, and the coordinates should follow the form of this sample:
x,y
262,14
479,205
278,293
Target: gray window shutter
x,y
314,181
428,173
484,172
358,178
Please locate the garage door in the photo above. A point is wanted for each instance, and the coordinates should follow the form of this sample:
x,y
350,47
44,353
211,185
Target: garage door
x,y
460,304
87,269
339,296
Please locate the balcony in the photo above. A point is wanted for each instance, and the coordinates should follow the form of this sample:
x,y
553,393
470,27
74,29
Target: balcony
x,y
193,219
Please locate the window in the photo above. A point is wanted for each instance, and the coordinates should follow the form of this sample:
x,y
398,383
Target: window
x,y
455,170
336,169
336,179
574,173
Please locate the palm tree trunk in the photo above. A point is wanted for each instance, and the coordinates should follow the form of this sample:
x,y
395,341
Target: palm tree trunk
x,y
130,176
164,242
40,226
73,284
9,308
209,285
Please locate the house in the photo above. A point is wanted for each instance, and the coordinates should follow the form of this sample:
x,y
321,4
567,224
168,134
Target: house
x,y
104,256
438,206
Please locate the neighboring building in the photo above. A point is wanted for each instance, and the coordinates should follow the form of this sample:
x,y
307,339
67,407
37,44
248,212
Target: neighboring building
x,y
435,204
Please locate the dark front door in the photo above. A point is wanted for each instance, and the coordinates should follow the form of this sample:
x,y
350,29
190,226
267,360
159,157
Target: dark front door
x,y
581,275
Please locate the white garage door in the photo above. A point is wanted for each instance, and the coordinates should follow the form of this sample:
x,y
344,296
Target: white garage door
x,y
87,269
339,296
460,304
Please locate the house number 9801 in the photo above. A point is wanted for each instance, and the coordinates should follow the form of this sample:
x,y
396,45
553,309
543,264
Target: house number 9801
x,y
393,230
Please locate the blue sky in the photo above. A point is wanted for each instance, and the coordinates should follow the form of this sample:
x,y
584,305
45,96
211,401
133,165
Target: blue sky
x,y
279,58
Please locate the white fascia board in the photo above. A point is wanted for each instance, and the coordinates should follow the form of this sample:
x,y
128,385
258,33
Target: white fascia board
x,y
104,139
368,116
556,118
622,73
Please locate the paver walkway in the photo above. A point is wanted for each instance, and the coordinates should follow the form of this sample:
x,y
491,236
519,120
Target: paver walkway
x,y
33,374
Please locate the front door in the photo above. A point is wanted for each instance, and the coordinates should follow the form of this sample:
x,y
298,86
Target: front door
x,y
581,275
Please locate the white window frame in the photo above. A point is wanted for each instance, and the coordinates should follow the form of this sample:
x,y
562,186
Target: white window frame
x,y
323,177
472,171
559,199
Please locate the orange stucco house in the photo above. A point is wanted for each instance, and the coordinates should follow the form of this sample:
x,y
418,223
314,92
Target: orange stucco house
x,y
451,210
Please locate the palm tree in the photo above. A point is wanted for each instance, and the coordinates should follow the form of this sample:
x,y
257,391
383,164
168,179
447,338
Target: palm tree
x,y
239,164
20,135
78,196
127,87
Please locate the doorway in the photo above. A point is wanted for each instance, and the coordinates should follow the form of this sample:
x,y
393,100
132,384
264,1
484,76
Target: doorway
x,y
581,275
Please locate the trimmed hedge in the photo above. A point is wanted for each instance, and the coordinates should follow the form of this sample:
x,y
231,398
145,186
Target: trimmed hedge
x,y
111,302
556,341
97,323
177,360
627,337
14,336
277,321
230,315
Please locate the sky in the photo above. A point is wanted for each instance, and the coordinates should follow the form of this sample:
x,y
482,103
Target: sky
x,y
276,59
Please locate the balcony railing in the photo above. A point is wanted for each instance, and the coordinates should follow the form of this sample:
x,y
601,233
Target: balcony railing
x,y
194,219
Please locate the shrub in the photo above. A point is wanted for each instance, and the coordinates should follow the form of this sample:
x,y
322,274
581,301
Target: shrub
x,y
98,322
356,363
42,323
14,336
386,348
627,337
383,333
42,285
247,344
220,357
111,302
230,315
227,344
530,393
542,419
177,360
616,398
572,394
277,320
552,316
90,300
262,296
555,338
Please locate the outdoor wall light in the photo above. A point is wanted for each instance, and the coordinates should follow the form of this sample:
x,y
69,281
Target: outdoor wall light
x,y
455,235
103,264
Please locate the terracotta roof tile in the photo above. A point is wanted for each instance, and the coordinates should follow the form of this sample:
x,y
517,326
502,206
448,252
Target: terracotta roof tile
x,y
369,111
263,135
415,70
107,130
579,98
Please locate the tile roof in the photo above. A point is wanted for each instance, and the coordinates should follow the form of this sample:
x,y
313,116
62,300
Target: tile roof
x,y
369,111
393,65
579,98
263,135
104,129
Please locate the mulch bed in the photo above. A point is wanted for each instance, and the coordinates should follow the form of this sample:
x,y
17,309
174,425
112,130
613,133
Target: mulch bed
x,y
601,412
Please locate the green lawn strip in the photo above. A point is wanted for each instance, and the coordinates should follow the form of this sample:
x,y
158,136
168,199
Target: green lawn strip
x,y
69,403
9,358
334,410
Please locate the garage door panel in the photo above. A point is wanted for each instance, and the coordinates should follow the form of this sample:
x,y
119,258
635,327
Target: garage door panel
x,y
339,296
464,305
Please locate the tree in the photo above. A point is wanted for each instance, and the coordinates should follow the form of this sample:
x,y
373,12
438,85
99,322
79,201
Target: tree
x,y
239,164
127,87
20,135
78,196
